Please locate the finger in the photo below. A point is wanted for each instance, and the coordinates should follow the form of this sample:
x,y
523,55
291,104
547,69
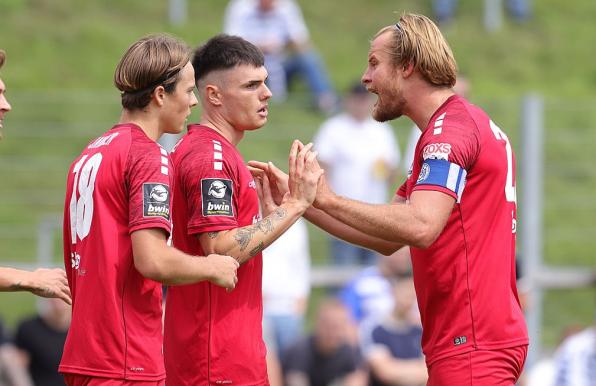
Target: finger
x,y
300,145
292,158
309,161
256,172
258,164
301,156
319,173
64,294
259,186
266,190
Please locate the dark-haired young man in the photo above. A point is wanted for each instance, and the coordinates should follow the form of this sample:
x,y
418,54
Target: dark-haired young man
x,y
213,336
117,222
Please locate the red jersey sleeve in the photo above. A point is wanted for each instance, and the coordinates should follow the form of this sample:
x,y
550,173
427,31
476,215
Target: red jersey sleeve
x,y
447,150
402,190
149,179
211,188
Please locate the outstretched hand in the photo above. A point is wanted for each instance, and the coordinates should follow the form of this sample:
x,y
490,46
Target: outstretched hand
x,y
268,204
49,283
305,173
278,180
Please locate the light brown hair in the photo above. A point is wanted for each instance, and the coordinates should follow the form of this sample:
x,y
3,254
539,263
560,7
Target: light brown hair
x,y
2,57
148,63
418,41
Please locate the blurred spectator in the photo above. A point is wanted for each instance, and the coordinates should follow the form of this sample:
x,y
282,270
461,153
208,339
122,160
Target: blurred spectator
x,y
369,293
444,10
360,157
575,360
286,284
42,339
325,357
461,88
391,345
278,29
286,287
13,371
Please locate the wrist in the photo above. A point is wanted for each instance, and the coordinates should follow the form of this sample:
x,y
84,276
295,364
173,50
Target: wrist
x,y
295,205
324,201
22,280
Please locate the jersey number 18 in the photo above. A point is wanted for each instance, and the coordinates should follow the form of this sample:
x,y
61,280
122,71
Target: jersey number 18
x,y
81,210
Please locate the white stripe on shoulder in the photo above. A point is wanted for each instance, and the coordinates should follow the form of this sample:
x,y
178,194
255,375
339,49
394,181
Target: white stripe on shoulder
x,y
439,124
217,155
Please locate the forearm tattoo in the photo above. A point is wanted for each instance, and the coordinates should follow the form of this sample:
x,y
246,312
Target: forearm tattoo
x,y
257,249
244,236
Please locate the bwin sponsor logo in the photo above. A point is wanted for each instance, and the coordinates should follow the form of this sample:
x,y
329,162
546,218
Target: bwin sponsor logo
x,y
158,209
218,207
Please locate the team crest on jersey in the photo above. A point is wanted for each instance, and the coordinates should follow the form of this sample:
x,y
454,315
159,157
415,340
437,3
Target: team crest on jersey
x,y
436,151
156,200
424,172
216,197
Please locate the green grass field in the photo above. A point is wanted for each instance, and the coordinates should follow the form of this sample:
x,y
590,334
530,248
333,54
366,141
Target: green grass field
x,y
62,53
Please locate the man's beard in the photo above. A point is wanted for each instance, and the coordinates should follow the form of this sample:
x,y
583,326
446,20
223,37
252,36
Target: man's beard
x,y
389,108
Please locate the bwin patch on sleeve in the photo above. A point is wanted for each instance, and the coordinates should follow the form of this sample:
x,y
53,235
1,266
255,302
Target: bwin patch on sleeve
x,y
156,200
216,197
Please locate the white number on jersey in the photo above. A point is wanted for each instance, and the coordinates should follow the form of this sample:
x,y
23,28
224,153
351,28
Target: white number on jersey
x,y
509,187
81,210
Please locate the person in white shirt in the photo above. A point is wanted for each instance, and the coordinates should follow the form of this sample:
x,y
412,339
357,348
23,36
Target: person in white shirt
x,y
286,284
277,27
360,157
575,360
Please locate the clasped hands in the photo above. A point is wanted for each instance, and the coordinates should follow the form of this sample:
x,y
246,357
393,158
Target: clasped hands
x,y
305,184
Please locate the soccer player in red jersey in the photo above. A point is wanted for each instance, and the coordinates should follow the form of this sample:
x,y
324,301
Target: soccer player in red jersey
x,y
48,283
212,336
456,211
117,222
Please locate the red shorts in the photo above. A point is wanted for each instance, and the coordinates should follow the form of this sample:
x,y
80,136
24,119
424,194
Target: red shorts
x,y
84,380
479,368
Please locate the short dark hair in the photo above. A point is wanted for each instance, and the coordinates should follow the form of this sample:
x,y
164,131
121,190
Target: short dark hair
x,y
222,52
2,57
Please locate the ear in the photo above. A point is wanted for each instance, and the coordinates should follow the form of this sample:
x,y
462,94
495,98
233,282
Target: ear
x,y
407,70
159,95
213,95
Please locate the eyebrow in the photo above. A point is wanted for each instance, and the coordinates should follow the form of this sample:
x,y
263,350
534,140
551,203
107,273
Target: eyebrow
x,y
252,82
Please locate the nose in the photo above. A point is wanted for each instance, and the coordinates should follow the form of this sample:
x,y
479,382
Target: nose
x,y
4,105
267,94
365,79
193,100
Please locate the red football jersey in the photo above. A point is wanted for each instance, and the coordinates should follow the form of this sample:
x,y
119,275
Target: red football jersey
x,y
119,184
213,336
465,281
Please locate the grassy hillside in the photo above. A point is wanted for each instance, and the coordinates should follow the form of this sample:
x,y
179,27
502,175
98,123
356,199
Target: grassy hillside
x,y
62,53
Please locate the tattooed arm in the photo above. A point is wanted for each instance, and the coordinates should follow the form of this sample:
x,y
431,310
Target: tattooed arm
x,y
246,242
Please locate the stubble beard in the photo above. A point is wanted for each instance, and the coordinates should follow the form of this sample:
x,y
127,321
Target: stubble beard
x,y
389,107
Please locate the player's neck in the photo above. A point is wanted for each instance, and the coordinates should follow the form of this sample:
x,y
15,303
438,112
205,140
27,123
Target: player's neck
x,y
223,127
426,103
148,124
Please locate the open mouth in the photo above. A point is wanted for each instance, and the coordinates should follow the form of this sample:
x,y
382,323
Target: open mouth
x,y
263,111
